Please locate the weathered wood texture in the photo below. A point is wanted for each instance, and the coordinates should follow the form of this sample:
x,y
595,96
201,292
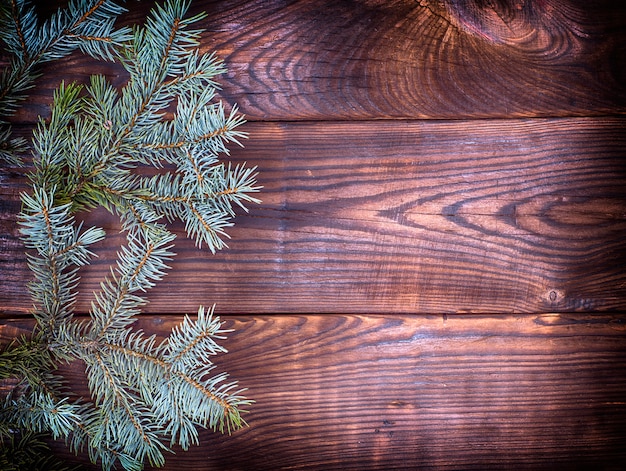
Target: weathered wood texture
x,y
389,201
399,392
473,216
365,59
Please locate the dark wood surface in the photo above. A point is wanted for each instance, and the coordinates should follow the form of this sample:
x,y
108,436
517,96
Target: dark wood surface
x,y
371,59
418,392
434,279
493,216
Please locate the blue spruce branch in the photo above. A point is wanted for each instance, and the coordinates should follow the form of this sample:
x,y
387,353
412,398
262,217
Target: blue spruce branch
x,y
146,395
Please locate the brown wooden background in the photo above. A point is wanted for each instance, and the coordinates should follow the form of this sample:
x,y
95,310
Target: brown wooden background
x,y
435,278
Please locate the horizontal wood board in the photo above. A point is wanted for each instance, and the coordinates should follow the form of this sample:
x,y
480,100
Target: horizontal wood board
x,y
339,392
372,59
409,217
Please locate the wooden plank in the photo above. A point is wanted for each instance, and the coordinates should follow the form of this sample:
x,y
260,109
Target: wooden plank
x,y
469,216
418,392
403,59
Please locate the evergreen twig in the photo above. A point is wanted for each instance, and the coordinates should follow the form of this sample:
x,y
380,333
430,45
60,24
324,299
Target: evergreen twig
x,y
146,395
87,25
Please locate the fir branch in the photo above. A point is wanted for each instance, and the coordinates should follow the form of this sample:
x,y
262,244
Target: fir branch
x,y
127,426
63,32
200,130
85,25
18,26
29,363
176,394
29,452
86,155
11,148
192,341
36,403
61,249
140,264
42,412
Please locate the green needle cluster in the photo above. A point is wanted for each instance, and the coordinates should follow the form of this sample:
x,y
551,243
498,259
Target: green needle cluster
x,y
147,395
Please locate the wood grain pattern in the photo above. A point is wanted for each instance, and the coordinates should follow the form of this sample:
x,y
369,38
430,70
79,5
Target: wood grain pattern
x,y
365,59
492,216
388,202
418,392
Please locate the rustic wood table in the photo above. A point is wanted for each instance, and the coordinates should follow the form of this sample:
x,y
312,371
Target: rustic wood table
x,y
435,277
